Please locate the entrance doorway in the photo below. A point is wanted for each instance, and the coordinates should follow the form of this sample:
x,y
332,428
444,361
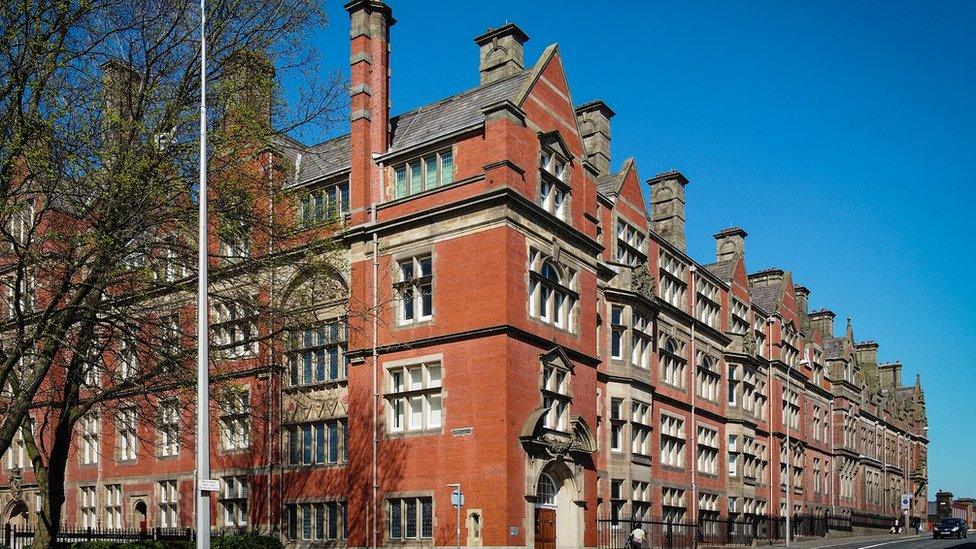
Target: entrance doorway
x,y
141,513
18,514
545,528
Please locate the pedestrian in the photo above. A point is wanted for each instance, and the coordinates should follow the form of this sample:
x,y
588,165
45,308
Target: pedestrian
x,y
637,536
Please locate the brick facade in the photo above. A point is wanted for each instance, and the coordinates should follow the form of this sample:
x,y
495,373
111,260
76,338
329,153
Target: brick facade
x,y
537,333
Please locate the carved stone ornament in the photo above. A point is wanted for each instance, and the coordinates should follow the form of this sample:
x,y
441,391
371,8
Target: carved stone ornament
x,y
642,281
556,446
16,483
749,343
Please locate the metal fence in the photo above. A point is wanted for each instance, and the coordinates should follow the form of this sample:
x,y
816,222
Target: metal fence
x,y
615,534
20,537
736,530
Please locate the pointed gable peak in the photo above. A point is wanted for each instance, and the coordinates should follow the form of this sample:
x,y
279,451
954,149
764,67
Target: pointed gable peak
x,y
547,55
610,185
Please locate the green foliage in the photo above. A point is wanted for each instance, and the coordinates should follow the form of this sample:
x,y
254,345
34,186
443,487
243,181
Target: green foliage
x,y
246,541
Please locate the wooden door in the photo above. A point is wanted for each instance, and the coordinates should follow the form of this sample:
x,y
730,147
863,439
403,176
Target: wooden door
x,y
545,528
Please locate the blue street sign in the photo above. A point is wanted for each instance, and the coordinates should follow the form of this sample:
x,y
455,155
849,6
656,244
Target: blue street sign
x,y
457,498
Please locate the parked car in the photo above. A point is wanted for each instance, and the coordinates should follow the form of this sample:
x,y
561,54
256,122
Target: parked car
x,y
950,528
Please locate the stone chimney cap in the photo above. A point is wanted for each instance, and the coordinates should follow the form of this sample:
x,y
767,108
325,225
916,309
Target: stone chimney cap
x,y
508,29
731,231
371,5
867,344
596,105
801,290
670,174
822,312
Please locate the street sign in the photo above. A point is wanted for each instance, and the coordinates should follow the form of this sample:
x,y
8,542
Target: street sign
x,y
457,498
906,501
209,485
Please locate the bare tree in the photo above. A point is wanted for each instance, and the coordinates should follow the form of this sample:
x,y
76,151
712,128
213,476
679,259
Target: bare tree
x,y
98,117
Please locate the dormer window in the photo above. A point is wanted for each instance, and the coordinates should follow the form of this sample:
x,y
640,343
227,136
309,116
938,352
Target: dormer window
x,y
423,174
554,165
554,162
630,244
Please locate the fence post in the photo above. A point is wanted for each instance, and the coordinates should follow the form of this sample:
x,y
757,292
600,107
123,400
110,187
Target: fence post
x,y
88,533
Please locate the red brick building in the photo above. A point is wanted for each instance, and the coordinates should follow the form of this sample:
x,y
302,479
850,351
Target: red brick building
x,y
519,321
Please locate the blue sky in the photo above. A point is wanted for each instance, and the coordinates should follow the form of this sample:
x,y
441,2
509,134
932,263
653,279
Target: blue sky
x,y
841,136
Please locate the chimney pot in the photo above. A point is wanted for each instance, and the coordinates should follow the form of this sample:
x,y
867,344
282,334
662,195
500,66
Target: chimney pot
x,y
501,52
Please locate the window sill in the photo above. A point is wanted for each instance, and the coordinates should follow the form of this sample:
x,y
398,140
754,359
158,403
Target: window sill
x,y
415,433
304,467
316,385
406,325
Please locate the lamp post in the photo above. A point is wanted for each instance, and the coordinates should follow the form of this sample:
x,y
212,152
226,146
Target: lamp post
x,y
203,319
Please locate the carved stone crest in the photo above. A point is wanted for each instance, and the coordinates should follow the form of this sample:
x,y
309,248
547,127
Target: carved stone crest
x,y
749,343
642,282
16,483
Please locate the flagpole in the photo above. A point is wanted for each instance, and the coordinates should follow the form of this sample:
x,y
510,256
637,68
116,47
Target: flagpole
x,y
203,320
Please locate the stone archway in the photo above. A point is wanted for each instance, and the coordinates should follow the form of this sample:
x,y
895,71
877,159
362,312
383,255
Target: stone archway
x,y
17,514
554,508
141,515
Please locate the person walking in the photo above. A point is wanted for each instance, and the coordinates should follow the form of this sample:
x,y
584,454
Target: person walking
x,y
637,537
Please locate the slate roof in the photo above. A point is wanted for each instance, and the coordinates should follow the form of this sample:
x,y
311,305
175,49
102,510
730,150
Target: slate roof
x,y
453,113
767,296
326,158
438,119
722,269
608,184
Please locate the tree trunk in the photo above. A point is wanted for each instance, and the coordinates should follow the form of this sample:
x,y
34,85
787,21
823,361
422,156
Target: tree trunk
x,y
50,484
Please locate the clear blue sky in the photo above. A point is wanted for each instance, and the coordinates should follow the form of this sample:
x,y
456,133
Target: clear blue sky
x,y
841,136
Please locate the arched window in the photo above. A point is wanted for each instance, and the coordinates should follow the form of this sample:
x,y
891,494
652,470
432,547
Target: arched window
x,y
552,297
707,379
546,491
672,364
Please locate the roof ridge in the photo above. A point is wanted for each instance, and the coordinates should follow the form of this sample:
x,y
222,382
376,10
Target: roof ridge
x,y
458,95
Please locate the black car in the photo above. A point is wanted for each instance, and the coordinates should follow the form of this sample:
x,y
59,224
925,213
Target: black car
x,y
950,528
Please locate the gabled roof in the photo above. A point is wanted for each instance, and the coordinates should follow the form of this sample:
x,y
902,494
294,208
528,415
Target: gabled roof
x,y
610,184
451,114
722,269
326,158
440,119
766,296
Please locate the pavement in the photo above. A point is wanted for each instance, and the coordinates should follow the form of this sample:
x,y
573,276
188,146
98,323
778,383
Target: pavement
x,y
887,541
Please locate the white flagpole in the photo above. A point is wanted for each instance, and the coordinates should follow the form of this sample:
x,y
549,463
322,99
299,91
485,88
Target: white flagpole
x,y
203,320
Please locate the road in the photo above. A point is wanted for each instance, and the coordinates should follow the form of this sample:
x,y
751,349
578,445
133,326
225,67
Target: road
x,y
923,541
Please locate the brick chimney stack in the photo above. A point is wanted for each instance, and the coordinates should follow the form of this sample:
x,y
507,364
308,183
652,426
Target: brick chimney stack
x,y
369,35
668,206
594,123
501,52
730,244
122,86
